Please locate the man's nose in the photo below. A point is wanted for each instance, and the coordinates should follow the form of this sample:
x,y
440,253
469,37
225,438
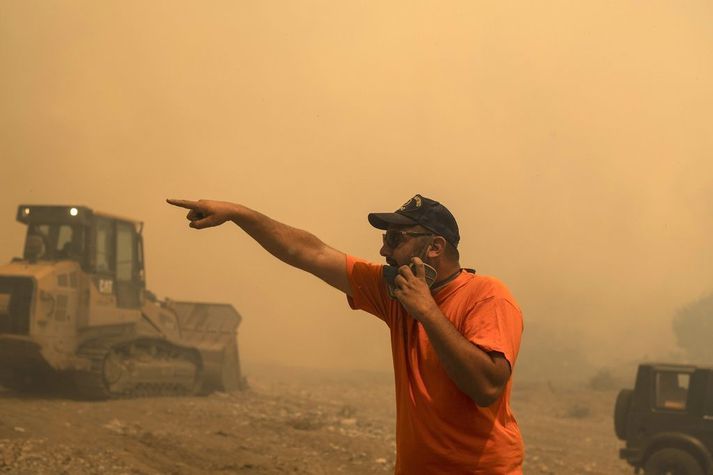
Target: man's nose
x,y
385,250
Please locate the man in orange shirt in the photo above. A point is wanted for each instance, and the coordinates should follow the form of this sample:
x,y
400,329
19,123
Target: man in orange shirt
x,y
454,344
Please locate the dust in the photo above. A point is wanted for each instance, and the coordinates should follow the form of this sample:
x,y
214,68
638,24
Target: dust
x,y
296,420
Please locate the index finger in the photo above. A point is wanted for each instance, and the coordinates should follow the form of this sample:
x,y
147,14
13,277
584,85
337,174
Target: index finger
x,y
420,269
188,204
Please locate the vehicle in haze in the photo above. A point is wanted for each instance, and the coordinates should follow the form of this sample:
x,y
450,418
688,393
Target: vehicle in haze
x,y
667,420
76,305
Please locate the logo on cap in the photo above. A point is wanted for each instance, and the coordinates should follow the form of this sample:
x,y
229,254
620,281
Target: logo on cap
x,y
411,204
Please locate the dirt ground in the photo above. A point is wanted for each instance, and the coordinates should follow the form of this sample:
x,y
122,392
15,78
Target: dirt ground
x,y
289,421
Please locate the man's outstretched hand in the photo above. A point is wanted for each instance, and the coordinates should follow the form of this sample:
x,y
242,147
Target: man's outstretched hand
x,y
206,213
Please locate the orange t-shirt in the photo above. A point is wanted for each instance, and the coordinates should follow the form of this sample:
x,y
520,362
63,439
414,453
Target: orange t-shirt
x,y
439,429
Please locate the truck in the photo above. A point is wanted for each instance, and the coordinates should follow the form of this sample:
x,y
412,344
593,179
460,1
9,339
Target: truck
x,y
75,307
666,420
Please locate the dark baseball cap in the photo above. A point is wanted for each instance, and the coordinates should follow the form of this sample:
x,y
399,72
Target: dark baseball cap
x,y
430,214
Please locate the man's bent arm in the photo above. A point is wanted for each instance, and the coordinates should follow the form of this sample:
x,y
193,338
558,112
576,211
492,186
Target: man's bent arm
x,y
479,374
293,246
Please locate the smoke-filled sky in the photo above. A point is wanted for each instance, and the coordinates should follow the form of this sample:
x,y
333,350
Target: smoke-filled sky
x,y
573,141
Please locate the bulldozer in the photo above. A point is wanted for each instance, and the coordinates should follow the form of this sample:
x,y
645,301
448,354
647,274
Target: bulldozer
x,y
75,307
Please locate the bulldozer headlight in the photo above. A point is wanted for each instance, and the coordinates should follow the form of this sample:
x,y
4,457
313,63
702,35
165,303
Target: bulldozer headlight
x,y
26,211
74,212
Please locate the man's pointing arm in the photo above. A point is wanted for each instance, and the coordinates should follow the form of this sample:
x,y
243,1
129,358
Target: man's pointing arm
x,y
293,246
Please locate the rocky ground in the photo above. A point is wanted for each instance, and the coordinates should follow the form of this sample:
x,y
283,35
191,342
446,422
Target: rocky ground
x,y
289,421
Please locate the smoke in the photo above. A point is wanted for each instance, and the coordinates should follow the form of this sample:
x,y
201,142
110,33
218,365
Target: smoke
x,y
571,140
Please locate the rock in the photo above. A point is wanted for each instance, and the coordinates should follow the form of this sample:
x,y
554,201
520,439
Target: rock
x,y
115,425
346,411
305,422
8,456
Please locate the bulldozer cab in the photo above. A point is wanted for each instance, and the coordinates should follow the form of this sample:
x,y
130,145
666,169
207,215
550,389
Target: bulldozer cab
x,y
109,248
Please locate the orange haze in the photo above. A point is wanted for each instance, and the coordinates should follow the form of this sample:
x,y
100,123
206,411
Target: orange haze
x,y
572,140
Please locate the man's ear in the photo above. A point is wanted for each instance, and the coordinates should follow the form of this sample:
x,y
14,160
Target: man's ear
x,y
437,247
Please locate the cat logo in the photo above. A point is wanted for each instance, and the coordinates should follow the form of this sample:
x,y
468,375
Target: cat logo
x,y
106,286
411,204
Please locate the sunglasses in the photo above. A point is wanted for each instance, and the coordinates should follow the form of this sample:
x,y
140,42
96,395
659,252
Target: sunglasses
x,y
394,238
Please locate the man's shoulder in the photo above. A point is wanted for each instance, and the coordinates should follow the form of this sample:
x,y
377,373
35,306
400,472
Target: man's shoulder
x,y
353,261
486,287
488,284
363,272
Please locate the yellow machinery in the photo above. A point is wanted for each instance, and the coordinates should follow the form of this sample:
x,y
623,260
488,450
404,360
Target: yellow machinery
x,y
76,305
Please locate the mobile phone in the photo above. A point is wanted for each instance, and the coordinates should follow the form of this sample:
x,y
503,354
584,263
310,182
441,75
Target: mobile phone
x,y
390,273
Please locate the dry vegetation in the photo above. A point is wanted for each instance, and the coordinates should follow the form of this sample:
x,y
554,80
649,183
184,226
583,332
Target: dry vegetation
x,y
289,421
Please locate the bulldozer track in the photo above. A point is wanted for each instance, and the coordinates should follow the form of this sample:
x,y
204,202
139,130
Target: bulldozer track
x,y
99,382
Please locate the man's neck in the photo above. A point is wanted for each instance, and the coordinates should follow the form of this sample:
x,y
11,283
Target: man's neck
x,y
446,274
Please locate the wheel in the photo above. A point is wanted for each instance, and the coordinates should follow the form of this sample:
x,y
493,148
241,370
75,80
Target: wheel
x,y
31,381
621,412
116,372
672,462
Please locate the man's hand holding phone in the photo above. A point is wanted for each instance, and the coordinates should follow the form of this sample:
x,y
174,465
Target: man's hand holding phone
x,y
411,288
